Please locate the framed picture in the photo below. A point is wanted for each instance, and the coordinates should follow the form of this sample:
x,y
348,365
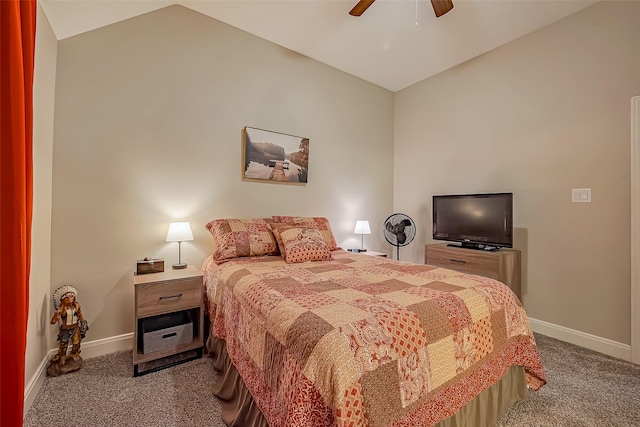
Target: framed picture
x,y
274,157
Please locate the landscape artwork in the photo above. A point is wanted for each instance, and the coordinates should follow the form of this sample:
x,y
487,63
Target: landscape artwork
x,y
275,157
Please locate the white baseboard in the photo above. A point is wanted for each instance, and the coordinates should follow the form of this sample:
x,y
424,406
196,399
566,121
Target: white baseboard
x,y
32,388
90,349
592,342
107,345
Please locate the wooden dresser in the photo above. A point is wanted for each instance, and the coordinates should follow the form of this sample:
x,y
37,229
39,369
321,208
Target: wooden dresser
x,y
503,265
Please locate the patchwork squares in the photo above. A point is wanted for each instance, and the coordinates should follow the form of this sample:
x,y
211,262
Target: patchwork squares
x,y
350,410
360,341
304,334
433,319
382,408
414,376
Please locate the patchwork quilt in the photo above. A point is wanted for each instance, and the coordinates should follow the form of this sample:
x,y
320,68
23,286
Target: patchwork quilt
x,y
365,341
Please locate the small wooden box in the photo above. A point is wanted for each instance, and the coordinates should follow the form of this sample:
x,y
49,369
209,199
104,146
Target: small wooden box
x,y
145,266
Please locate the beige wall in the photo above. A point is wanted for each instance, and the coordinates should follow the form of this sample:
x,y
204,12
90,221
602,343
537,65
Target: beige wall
x,y
39,302
148,120
538,117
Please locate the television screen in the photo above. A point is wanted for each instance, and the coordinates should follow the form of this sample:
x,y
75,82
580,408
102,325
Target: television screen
x,y
478,221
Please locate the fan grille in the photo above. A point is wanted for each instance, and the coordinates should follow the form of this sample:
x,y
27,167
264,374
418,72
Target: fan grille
x,y
399,230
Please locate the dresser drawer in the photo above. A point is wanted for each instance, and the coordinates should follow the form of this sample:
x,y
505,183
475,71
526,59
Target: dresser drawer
x,y
168,296
503,265
463,260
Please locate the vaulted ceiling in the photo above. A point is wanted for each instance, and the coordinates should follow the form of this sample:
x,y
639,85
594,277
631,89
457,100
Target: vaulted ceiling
x,y
394,44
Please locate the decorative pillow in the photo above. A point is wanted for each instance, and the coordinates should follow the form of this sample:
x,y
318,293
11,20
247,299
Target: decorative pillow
x,y
319,223
241,237
303,244
275,229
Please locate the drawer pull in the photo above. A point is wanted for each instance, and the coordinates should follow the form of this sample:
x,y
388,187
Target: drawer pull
x,y
459,261
172,334
171,296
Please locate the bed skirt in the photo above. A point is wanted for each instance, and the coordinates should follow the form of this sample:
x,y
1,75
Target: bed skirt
x,y
240,410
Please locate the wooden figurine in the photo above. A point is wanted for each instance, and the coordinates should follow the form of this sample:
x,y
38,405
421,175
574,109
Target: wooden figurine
x,y
72,327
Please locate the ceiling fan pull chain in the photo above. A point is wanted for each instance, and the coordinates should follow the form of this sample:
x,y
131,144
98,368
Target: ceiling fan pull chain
x,y
416,13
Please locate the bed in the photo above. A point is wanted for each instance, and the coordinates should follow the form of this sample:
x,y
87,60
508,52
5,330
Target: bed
x,y
306,334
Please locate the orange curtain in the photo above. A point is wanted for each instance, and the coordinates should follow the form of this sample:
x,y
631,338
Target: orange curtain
x,y
17,44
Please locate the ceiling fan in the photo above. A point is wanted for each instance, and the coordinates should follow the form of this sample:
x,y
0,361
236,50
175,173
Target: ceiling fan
x,y
440,7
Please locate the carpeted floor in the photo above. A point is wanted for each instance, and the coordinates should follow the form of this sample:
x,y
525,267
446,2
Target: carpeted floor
x,y
585,388
105,393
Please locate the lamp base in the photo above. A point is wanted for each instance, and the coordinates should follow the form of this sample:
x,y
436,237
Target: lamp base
x,y
179,266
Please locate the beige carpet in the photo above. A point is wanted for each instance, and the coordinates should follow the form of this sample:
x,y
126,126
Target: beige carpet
x,y
585,389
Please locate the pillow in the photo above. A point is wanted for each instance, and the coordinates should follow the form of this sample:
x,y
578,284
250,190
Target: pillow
x,y
275,229
319,223
303,244
235,238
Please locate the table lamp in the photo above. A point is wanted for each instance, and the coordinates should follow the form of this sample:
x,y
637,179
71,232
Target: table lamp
x,y
362,227
179,232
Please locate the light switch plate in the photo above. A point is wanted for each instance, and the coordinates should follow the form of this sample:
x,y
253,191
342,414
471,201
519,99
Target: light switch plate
x,y
581,195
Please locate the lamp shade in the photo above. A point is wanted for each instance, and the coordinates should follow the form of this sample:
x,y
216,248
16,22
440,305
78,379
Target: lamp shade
x,y
179,232
362,227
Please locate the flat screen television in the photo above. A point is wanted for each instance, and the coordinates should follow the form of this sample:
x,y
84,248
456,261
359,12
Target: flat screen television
x,y
476,221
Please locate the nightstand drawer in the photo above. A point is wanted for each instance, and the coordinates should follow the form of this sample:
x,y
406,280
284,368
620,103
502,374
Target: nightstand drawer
x,y
168,296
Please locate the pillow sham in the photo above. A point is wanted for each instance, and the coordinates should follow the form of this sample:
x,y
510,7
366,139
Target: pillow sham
x,y
319,223
275,229
241,237
303,244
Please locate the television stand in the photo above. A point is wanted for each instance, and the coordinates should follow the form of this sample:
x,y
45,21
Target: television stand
x,y
503,265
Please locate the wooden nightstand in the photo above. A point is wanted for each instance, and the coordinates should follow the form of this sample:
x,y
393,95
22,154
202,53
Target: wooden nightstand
x,y
374,253
174,301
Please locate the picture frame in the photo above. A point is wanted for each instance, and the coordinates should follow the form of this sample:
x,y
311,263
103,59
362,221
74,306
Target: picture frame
x,y
274,157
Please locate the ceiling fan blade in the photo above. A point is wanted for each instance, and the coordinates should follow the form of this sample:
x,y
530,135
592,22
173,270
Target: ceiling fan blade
x,y
440,7
361,7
